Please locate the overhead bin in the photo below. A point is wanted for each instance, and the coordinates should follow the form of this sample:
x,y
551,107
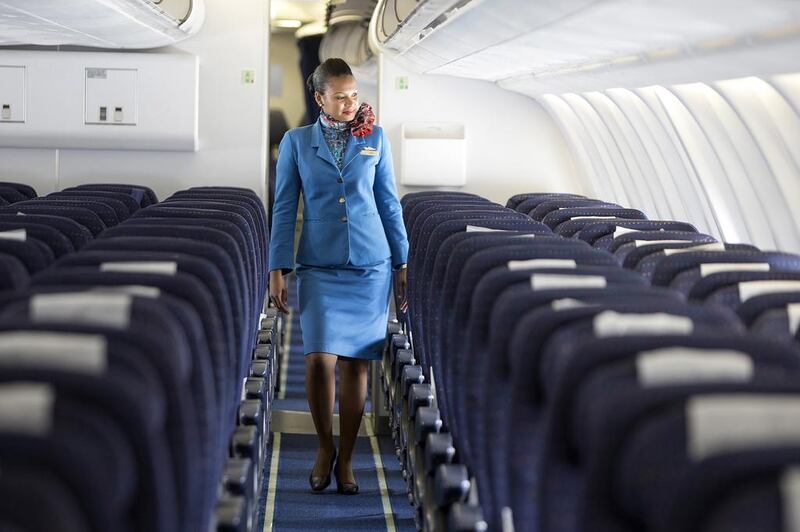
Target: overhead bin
x,y
112,24
507,41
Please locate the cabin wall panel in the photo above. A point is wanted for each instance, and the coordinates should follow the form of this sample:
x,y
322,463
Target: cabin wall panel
x,y
232,121
513,144
724,156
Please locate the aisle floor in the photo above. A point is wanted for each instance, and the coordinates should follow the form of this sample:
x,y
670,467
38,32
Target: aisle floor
x,y
287,501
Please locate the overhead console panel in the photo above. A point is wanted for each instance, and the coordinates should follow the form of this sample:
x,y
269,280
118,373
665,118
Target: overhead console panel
x,y
110,24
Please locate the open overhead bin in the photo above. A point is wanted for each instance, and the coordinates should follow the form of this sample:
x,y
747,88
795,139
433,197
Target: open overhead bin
x,y
347,36
113,24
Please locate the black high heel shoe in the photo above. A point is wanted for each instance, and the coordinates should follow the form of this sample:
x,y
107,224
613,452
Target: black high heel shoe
x,y
345,488
320,483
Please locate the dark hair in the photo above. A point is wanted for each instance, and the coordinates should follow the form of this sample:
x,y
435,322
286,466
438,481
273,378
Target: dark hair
x,y
330,68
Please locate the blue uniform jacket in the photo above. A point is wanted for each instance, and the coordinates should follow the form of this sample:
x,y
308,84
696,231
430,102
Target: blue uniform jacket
x,y
352,216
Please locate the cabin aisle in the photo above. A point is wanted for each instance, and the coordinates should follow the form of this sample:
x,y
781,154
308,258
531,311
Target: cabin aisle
x,y
287,502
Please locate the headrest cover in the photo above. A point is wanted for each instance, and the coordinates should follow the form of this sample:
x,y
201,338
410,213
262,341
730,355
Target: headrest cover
x,y
26,408
553,281
619,231
793,312
567,303
162,268
750,289
80,353
721,267
479,229
532,264
96,308
640,243
137,290
726,423
712,246
593,218
685,365
609,323
18,235
790,499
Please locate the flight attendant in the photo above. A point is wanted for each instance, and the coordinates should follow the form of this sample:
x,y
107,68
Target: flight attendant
x,y
352,244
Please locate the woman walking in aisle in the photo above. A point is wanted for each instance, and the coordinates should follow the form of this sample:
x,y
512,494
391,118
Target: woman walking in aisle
x,y
353,238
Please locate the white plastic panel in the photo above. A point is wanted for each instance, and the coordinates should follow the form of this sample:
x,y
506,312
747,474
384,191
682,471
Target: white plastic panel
x,y
111,96
12,93
157,95
433,154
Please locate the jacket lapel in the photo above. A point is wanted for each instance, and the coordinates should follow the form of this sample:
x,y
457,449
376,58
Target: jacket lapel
x,y
354,146
318,142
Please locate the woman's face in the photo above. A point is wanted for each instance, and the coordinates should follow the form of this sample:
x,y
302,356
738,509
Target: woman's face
x,y
340,99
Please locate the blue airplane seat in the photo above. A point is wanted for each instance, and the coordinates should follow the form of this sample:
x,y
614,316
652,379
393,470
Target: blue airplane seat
x,y
14,276
642,442
631,248
231,223
516,199
534,368
32,253
184,287
77,234
753,308
216,232
83,216
129,203
682,271
731,289
163,347
546,207
144,195
527,205
126,400
26,190
11,195
54,239
121,207
651,256
600,233
556,218
106,213
37,499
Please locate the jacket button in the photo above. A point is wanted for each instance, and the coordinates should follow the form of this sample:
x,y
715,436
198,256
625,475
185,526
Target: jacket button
x,y
339,180
341,200
343,219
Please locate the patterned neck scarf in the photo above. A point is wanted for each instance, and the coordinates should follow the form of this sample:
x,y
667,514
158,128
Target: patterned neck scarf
x,y
337,132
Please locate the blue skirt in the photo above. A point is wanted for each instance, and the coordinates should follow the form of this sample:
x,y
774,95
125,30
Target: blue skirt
x,y
344,310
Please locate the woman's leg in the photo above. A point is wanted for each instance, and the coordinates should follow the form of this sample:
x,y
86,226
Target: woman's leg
x,y
321,394
352,395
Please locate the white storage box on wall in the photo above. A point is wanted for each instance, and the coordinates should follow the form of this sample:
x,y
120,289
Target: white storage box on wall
x,y
433,154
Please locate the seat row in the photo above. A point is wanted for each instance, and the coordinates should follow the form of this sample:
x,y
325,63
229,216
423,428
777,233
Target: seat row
x,y
136,361
567,364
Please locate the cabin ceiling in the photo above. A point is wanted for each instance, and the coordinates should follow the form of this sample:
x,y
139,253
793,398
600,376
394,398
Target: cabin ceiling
x,y
114,24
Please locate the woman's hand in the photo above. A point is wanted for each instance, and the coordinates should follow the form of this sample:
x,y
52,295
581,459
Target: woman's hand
x,y
277,291
400,285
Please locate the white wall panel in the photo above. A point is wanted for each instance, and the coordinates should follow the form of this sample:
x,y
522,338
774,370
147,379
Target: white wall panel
x,y
736,152
606,148
648,131
686,179
633,153
776,128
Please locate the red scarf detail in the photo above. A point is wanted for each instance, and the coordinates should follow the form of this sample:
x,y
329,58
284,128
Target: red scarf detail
x,y
362,124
